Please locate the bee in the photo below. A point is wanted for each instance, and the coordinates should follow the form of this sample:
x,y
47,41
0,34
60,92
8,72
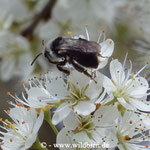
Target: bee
x,y
82,54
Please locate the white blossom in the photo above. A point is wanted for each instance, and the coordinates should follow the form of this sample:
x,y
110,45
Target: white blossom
x,y
16,9
77,93
88,130
21,132
130,89
131,132
14,54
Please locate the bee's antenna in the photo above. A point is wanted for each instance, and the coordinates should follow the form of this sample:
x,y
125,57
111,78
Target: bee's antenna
x,y
36,58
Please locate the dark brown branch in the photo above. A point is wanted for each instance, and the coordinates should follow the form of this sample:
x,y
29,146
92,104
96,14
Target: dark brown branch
x,y
45,14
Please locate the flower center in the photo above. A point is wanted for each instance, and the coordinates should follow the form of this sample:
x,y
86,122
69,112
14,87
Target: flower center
x,y
122,139
77,94
85,125
121,90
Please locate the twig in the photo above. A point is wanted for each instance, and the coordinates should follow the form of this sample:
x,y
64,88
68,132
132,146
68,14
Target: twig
x,y
45,14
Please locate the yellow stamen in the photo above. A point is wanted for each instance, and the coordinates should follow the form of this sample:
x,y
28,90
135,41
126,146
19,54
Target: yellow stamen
x,y
28,108
8,111
101,28
146,75
70,107
78,127
8,126
69,33
20,104
22,81
8,93
110,41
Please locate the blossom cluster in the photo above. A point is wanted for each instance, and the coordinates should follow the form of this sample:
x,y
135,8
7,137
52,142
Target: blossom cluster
x,y
17,46
111,112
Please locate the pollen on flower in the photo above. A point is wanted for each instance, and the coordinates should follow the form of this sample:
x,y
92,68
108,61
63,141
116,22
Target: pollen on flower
x,y
101,28
78,127
69,32
8,111
23,122
132,76
1,119
70,107
12,122
28,108
98,106
130,122
10,140
8,126
147,146
110,41
127,138
145,76
8,93
19,104
22,81
86,25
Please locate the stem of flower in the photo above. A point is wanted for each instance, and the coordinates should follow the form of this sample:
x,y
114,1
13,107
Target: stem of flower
x,y
37,145
111,102
47,117
45,14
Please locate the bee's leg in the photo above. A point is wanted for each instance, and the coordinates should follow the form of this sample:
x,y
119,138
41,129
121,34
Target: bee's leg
x,y
81,69
61,68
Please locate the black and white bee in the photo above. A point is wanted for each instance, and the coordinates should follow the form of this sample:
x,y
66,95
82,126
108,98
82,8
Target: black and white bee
x,y
81,53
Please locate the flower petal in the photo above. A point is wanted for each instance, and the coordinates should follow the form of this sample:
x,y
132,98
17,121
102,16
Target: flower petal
x,y
117,72
64,137
139,87
125,104
57,88
108,85
71,122
82,137
140,105
78,79
84,108
62,112
95,89
38,123
31,139
105,115
107,48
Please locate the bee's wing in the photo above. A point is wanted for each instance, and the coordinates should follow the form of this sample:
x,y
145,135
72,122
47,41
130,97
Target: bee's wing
x,y
78,45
